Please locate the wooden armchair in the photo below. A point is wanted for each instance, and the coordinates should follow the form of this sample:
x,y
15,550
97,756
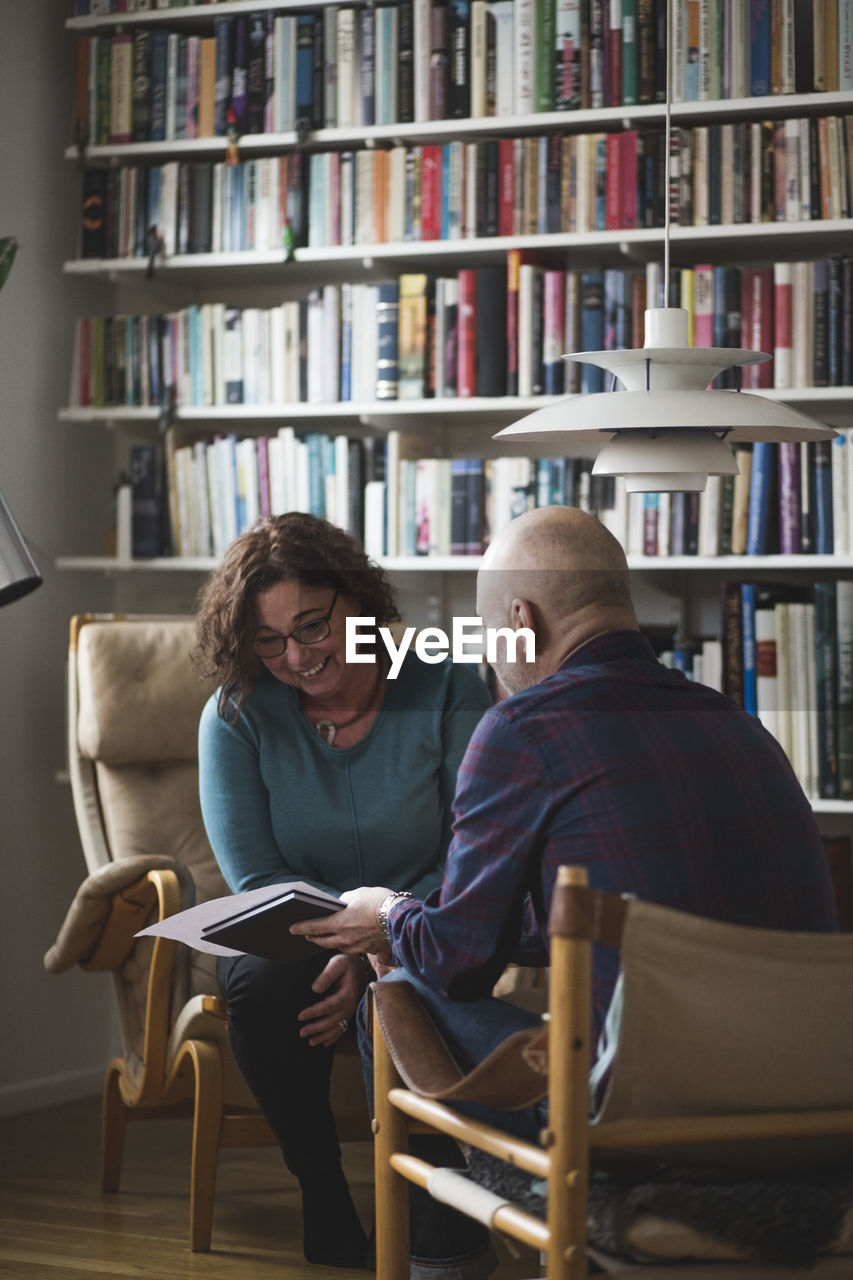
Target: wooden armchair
x,y
729,1076
134,701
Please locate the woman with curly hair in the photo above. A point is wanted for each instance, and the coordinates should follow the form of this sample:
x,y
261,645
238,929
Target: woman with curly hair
x,y
313,768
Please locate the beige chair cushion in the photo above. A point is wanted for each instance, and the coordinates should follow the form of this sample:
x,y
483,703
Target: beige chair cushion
x,y
155,808
127,673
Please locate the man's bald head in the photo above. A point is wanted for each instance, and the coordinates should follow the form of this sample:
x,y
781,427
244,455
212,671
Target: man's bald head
x,y
573,575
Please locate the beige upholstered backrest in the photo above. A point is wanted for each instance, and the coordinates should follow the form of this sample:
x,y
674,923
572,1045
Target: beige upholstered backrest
x,y
720,1019
139,702
135,699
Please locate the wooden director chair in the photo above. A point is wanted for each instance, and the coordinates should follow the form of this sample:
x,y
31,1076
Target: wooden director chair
x,y
732,1062
134,701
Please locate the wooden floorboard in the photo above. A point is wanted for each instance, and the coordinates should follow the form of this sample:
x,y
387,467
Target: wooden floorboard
x,y
56,1224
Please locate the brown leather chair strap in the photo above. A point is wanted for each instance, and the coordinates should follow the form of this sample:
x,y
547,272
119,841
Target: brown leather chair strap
x,y
514,1075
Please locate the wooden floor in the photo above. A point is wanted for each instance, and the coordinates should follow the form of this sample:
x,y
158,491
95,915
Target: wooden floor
x,y
56,1224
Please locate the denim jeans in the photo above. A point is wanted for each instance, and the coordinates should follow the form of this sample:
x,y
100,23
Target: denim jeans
x,y
445,1243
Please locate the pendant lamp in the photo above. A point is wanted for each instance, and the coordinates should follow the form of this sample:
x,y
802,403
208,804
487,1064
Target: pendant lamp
x,y
665,431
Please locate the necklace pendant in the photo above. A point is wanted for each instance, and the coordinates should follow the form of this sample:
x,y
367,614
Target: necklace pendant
x,y
326,730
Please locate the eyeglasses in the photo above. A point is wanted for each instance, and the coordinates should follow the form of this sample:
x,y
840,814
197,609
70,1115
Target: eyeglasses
x,y
306,633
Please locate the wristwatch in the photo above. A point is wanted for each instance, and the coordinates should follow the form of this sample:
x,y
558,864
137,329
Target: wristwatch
x,y
384,907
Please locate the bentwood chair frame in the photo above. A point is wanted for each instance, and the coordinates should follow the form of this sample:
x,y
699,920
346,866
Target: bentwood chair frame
x,y
641,1116
134,701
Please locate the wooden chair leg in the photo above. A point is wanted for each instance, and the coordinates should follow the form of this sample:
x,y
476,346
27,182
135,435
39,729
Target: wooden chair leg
x,y
113,1125
207,1126
390,1129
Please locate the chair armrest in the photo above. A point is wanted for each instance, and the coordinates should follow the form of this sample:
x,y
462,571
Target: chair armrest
x,y
215,1005
111,905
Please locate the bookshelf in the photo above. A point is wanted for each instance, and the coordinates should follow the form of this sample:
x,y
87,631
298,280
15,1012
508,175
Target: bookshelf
x,y
676,589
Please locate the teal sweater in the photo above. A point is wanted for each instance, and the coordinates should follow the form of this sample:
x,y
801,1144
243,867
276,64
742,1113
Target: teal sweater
x,y
279,804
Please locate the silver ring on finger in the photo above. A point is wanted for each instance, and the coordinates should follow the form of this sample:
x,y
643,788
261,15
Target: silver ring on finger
x,y
343,1024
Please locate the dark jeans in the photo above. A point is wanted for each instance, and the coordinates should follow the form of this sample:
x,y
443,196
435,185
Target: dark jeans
x,y
440,1236
289,1078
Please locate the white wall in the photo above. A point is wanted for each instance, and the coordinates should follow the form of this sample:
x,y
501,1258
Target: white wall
x,y
57,1031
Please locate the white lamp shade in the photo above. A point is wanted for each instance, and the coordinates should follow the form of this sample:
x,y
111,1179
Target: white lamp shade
x,y
679,462
646,368
741,415
671,430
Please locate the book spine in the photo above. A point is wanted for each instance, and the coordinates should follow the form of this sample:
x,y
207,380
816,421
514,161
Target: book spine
x,y
524,66
567,36
553,331
750,692
406,67
431,194
467,364
459,38
458,506
826,675
141,102
823,524
592,328
629,85
789,499
490,339
763,460
478,58
239,105
545,18
412,337
146,501
844,651
388,307
367,30
759,48
439,63
475,507
304,71
256,73
732,636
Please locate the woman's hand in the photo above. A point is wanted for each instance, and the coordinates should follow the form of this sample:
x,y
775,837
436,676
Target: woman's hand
x,y
342,983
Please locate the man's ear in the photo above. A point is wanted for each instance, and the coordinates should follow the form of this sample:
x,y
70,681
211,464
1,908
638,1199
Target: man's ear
x,y
522,614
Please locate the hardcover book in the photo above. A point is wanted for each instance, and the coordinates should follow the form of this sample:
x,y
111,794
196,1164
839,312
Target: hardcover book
x,y
256,922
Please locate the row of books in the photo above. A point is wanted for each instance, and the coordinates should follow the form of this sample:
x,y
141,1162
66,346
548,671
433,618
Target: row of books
x,y
412,497
788,171
789,499
192,499
785,654
485,331
418,61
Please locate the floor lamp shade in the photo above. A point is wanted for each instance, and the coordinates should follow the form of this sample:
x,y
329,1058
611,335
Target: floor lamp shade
x,y
18,571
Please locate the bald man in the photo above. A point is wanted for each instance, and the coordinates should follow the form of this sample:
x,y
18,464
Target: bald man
x,y
601,757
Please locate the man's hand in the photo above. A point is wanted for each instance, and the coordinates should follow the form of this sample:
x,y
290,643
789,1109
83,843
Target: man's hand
x,y
341,984
352,930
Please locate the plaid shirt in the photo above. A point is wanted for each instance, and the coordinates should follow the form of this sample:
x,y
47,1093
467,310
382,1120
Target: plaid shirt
x,y
659,786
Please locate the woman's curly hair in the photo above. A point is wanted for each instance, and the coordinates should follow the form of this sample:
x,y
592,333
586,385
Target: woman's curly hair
x,y
276,549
